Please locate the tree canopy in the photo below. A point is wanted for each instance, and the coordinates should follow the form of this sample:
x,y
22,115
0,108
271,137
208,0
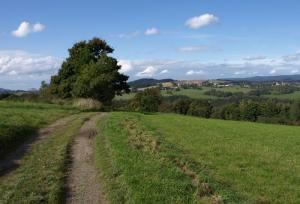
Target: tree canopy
x,y
89,72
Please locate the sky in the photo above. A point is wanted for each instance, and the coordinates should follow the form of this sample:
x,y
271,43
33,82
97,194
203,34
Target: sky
x,y
190,39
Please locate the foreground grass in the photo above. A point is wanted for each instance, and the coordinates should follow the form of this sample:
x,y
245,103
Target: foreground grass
x,y
19,121
132,175
188,159
41,175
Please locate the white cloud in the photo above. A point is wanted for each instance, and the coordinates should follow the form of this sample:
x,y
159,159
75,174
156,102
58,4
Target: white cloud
x,y
22,31
239,72
148,72
292,57
38,27
294,71
273,71
129,35
193,48
255,58
126,65
192,72
12,73
25,28
164,71
201,21
152,31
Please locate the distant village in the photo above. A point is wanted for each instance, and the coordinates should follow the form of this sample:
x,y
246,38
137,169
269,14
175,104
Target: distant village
x,y
173,85
177,84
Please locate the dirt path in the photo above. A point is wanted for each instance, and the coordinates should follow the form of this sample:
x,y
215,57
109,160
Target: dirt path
x,y
12,160
83,182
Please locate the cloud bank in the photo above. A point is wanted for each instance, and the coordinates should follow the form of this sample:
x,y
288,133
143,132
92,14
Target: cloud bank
x,y
22,70
189,69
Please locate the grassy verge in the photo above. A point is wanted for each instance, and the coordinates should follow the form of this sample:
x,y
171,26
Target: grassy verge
x,y
180,159
19,121
135,174
41,176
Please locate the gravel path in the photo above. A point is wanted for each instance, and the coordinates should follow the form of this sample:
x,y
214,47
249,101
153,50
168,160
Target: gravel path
x,y
83,184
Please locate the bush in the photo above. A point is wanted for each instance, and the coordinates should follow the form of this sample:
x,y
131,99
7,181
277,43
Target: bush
x,y
230,112
166,107
250,110
122,105
182,106
200,108
295,111
4,95
148,100
87,104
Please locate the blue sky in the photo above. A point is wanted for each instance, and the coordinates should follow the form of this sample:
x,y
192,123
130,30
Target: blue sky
x,y
191,39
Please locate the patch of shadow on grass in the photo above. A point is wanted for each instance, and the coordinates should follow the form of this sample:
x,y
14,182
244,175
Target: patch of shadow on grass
x,y
12,161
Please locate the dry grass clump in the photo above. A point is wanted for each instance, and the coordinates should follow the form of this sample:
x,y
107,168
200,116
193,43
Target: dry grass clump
x,y
87,104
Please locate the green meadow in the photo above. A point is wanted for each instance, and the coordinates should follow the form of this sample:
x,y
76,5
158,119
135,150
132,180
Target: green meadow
x,y
192,93
168,158
19,121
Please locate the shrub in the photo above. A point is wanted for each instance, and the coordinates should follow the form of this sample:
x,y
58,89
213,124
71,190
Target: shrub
x,y
295,111
200,108
87,104
182,106
166,107
148,100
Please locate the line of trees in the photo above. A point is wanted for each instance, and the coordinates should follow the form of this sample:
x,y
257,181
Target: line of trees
x,y
249,109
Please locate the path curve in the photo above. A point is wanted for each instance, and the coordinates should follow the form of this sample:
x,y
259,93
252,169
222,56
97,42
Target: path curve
x,y
83,184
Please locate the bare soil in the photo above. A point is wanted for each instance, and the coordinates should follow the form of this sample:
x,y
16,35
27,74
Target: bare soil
x,y
83,184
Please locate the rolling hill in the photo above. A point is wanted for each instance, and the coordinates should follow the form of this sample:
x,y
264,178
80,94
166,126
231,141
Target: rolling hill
x,y
286,78
4,91
145,82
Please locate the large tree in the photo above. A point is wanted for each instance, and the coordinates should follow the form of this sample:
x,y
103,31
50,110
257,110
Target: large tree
x,y
89,72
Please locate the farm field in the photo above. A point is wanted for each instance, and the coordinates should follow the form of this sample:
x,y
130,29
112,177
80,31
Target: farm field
x,y
167,158
292,96
19,121
192,93
199,94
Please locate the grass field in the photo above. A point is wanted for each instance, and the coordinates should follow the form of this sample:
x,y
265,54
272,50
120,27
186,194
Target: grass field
x,y
292,96
192,93
166,158
19,121
199,94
